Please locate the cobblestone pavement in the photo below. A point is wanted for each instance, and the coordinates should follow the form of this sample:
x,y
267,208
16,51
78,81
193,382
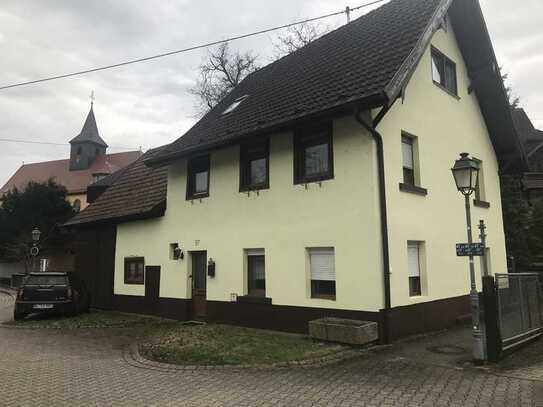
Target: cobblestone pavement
x,y
88,367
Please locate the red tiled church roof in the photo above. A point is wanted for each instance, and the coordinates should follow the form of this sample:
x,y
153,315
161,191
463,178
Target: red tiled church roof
x,y
136,192
59,170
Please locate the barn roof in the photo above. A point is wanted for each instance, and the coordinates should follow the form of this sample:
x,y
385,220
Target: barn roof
x,y
136,192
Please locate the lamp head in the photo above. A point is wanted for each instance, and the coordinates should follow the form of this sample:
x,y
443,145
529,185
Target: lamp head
x,y
466,174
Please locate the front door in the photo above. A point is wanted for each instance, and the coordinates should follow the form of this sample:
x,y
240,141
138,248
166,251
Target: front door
x,y
199,281
152,289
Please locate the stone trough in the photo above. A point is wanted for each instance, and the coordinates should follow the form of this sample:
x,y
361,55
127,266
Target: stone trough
x,y
348,331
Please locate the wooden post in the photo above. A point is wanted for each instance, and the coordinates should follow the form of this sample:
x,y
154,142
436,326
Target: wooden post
x,y
493,336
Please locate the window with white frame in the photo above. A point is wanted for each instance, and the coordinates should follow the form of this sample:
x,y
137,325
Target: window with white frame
x,y
414,269
408,159
256,272
322,267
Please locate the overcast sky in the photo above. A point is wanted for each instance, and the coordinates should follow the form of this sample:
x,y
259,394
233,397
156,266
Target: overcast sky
x,y
148,104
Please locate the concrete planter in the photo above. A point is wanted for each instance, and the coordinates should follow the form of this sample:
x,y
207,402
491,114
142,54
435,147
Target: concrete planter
x,y
347,331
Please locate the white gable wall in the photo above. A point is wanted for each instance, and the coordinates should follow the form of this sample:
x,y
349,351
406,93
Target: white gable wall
x,y
444,126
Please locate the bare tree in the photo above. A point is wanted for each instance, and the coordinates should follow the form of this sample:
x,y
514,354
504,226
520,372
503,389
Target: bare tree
x,y
514,100
221,72
298,36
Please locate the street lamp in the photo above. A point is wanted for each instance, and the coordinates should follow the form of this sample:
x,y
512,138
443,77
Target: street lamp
x,y
466,177
35,250
36,233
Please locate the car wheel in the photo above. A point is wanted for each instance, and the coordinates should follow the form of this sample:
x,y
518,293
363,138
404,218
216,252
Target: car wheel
x,y
74,310
17,316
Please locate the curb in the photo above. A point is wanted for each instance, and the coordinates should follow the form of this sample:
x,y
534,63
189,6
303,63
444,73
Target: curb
x,y
133,357
60,328
65,328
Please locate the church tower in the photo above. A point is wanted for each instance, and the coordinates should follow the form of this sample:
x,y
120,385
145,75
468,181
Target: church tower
x,y
86,146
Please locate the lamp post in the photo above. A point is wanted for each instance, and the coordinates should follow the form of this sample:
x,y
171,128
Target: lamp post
x,y
466,177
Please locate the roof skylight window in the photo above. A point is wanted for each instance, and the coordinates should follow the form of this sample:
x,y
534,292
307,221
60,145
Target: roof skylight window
x,y
235,105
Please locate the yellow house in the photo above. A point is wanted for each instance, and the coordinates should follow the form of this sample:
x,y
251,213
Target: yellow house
x,y
321,186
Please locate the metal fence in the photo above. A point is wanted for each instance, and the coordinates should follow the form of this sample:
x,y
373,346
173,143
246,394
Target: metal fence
x,y
519,308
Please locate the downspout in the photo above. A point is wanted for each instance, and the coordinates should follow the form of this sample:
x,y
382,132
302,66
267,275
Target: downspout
x,y
383,208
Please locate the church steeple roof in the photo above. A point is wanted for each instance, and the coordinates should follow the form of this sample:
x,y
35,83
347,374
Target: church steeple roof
x,y
89,133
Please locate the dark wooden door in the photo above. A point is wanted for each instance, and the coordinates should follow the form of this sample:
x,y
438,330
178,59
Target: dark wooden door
x,y
152,289
95,260
106,267
199,284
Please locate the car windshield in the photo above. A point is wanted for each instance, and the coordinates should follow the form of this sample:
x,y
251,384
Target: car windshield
x,y
46,280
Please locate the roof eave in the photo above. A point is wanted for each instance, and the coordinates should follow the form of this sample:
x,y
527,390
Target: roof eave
x,y
478,53
156,211
400,80
369,102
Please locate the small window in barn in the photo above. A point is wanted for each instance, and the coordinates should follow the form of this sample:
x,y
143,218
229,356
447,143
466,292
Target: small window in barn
x,y
254,166
313,154
413,268
235,105
256,272
198,177
134,270
444,72
76,205
322,270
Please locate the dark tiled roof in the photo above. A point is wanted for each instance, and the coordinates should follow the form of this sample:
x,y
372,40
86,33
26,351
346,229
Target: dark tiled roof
x,y
353,63
59,170
89,133
138,192
531,138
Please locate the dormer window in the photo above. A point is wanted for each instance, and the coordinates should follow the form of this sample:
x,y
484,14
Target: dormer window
x,y
98,176
235,105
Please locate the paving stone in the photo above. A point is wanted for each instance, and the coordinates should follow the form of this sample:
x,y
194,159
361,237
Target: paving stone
x,y
88,368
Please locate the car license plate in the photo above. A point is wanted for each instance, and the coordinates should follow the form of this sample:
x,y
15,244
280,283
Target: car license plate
x,y
42,306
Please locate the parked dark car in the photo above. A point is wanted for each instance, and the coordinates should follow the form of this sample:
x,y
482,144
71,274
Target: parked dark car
x,y
47,292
